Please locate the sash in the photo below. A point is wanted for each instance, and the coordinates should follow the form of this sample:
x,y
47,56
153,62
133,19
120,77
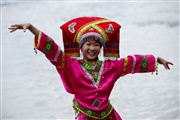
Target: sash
x,y
91,113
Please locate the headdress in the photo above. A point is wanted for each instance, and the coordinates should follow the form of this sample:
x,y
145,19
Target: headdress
x,y
105,31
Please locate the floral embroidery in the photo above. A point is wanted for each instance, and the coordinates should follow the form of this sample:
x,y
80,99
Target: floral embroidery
x,y
48,46
93,73
110,29
144,64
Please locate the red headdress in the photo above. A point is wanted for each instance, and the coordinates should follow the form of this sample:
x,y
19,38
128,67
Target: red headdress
x,y
105,30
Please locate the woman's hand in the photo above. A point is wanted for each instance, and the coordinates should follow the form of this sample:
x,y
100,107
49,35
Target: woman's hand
x,y
164,62
15,27
24,27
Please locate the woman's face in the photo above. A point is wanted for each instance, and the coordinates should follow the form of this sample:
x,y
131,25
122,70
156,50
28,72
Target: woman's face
x,y
91,50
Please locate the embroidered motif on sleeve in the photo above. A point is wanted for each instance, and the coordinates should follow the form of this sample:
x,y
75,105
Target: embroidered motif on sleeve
x,y
144,64
48,46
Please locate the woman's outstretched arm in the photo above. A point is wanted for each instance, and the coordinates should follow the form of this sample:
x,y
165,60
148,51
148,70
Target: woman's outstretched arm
x,y
140,64
24,27
43,43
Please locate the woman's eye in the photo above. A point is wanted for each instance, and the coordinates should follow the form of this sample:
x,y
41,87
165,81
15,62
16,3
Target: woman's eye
x,y
88,44
96,44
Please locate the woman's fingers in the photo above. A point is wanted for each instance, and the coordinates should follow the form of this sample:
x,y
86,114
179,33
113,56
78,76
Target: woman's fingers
x,y
15,25
12,29
18,26
166,65
170,63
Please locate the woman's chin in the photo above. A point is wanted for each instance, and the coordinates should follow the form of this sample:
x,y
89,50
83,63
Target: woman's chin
x,y
92,58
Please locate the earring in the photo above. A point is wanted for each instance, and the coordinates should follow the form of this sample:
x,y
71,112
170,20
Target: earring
x,y
81,55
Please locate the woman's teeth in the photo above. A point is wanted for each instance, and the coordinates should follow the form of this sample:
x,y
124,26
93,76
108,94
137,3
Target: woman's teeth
x,y
92,53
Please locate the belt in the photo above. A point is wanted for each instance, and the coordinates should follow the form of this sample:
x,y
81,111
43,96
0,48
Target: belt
x,y
91,113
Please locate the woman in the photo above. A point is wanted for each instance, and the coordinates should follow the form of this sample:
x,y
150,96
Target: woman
x,y
89,79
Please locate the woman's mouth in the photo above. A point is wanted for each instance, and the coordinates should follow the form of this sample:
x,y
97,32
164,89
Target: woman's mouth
x,y
92,53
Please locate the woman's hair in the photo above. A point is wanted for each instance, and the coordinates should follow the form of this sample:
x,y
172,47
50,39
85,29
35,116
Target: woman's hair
x,y
91,36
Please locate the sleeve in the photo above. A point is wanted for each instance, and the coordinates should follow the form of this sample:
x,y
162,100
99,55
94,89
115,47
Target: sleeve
x,y
136,64
52,51
55,55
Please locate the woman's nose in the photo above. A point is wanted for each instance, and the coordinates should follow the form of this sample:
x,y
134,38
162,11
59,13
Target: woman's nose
x,y
92,47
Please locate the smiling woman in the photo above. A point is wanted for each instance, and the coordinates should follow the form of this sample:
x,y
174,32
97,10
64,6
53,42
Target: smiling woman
x,y
89,79
91,50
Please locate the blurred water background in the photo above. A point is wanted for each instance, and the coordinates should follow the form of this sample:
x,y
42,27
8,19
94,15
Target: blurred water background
x,y
31,87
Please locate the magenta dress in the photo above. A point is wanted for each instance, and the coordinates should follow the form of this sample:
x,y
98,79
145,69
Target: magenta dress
x,y
91,97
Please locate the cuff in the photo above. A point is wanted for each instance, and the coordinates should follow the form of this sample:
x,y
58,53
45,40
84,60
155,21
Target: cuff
x,y
37,41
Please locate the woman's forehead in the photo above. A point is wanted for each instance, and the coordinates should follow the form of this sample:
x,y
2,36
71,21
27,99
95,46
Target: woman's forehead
x,y
91,41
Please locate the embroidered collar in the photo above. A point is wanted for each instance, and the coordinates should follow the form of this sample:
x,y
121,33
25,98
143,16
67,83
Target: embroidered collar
x,y
92,72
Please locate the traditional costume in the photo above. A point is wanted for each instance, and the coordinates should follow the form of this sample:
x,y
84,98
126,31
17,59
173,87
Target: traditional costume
x,y
92,86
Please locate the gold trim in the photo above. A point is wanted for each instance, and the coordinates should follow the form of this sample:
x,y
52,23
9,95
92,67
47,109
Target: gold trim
x,y
103,33
94,116
36,45
39,39
94,25
125,66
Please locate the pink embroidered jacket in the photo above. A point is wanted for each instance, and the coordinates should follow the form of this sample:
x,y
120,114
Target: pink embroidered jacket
x,y
77,81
